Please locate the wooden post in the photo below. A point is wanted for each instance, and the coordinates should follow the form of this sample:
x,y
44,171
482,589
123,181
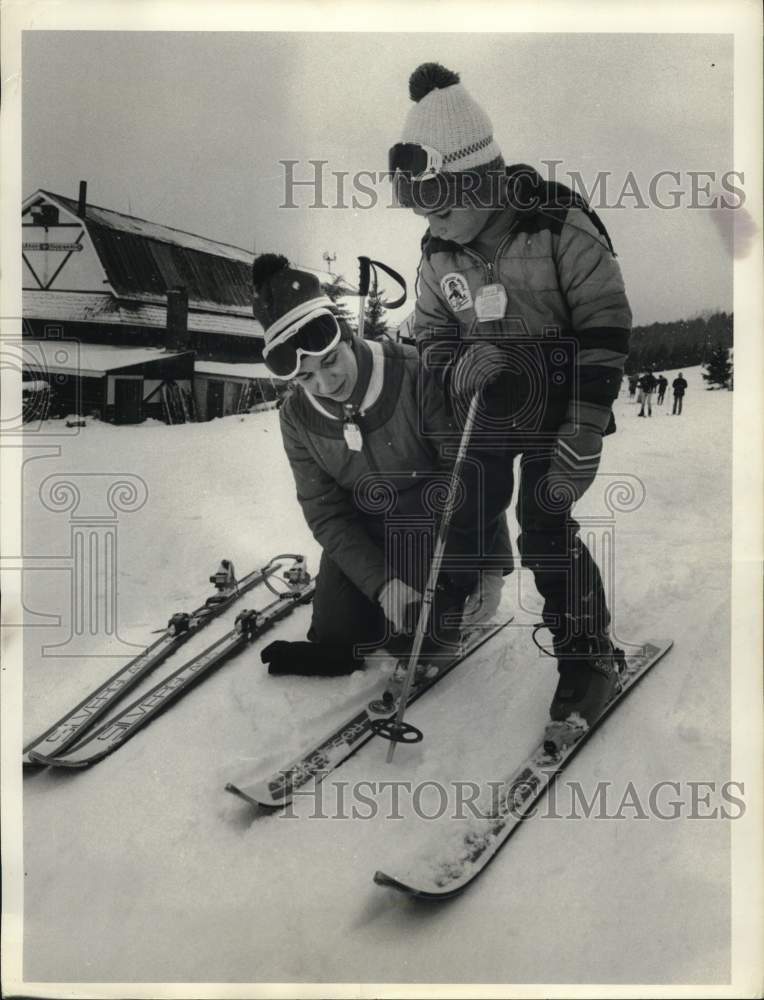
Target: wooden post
x,y
177,319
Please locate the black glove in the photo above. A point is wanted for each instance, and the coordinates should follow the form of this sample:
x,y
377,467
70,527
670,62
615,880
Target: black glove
x,y
488,369
309,659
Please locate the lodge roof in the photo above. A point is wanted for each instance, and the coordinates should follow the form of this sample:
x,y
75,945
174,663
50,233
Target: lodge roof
x,y
144,259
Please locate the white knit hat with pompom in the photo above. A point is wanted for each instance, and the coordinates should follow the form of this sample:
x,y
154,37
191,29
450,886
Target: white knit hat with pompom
x,y
445,117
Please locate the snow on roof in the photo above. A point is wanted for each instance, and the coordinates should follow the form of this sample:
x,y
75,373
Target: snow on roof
x,y
88,359
231,370
111,219
97,307
146,258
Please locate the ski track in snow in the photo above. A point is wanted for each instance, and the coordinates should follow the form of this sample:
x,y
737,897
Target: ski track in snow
x,y
144,868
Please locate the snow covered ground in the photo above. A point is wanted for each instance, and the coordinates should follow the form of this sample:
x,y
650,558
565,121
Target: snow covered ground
x,y
143,868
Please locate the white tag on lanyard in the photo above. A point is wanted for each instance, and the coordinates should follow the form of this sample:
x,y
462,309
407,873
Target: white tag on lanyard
x,y
491,302
351,431
352,434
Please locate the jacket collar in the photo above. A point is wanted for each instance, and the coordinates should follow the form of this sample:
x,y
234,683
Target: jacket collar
x,y
368,388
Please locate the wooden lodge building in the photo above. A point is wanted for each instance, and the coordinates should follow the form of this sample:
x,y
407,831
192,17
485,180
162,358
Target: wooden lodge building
x,y
129,319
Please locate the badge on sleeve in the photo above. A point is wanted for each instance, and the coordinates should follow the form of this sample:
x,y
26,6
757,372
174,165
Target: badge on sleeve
x,y
456,291
491,302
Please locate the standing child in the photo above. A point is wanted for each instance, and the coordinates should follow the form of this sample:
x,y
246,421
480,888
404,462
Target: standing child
x,y
521,299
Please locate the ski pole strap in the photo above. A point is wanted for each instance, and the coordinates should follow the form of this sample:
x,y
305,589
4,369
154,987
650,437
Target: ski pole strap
x,y
367,267
397,278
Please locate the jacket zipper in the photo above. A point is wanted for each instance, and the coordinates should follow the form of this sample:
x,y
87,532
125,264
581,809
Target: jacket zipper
x,y
492,265
489,265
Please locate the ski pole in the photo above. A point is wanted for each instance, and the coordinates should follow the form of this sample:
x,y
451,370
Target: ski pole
x,y
432,579
364,271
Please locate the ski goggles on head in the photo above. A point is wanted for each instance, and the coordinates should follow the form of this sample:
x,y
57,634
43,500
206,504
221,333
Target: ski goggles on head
x,y
418,162
315,335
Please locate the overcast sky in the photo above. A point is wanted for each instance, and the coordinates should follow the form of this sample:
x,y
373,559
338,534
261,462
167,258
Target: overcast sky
x,y
188,129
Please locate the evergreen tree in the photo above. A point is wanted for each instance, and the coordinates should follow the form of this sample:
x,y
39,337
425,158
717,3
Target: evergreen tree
x,y
718,368
336,291
375,324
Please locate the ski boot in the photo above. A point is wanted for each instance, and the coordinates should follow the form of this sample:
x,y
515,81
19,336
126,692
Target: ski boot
x,y
589,668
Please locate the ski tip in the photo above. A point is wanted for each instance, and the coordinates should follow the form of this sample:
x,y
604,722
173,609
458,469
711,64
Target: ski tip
x,y
43,760
388,882
235,790
381,878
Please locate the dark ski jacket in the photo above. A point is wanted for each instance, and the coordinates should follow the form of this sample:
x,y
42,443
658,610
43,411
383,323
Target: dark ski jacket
x,y
648,382
679,385
345,495
565,296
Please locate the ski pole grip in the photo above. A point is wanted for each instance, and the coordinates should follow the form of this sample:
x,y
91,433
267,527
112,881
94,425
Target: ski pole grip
x,y
364,276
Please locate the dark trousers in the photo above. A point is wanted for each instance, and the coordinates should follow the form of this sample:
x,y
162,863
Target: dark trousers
x,y
677,404
565,574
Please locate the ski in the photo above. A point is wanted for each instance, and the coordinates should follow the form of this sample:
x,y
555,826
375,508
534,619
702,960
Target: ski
x,y
99,742
440,875
349,736
180,627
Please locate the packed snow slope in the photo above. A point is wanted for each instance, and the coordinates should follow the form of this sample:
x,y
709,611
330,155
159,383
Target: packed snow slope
x,y
143,868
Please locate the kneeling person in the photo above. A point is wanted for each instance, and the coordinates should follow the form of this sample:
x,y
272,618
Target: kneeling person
x,y
362,429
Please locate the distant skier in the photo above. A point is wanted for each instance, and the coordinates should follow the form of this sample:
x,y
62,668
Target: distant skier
x,y
633,379
679,385
662,386
362,429
647,386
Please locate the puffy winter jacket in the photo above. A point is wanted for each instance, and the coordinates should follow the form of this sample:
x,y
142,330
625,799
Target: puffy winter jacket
x,y
567,317
403,420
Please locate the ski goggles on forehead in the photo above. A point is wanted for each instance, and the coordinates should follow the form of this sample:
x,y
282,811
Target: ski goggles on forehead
x,y
419,162
316,335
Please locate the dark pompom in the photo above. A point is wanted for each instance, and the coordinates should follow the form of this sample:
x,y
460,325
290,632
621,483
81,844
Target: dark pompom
x,y
265,266
428,77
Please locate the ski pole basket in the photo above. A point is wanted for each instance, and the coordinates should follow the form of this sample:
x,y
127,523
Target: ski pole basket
x,y
396,732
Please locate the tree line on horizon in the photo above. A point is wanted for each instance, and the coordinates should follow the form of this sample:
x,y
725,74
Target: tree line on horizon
x,y
679,343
